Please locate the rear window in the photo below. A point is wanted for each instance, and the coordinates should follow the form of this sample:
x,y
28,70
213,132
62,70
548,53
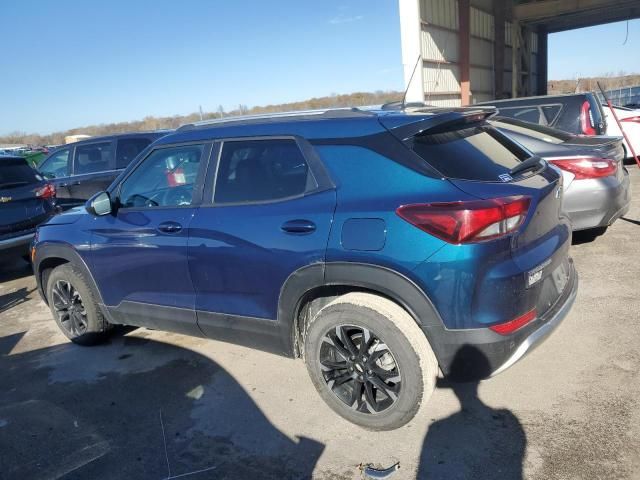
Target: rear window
x,y
546,134
470,152
16,173
526,114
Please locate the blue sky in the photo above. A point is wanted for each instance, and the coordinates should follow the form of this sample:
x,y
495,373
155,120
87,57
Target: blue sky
x,y
595,51
71,63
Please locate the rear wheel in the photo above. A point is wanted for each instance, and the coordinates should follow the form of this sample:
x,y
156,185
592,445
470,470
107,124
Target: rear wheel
x,y
74,307
370,361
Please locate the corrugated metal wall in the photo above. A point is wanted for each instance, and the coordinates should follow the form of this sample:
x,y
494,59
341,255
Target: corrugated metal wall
x,y
481,55
440,52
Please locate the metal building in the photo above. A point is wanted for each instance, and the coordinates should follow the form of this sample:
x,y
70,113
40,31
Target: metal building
x,y
469,51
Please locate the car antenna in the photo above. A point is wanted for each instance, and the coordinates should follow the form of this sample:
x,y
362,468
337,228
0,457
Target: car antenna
x,y
404,97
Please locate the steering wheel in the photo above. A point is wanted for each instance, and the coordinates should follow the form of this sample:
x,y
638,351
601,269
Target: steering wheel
x,y
178,196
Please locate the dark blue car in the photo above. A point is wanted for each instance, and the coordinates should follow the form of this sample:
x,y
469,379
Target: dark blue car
x,y
26,200
373,244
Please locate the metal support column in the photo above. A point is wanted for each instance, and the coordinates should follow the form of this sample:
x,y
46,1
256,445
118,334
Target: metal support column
x,y
498,48
543,58
464,13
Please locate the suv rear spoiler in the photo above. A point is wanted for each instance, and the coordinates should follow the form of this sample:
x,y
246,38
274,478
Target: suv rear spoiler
x,y
413,122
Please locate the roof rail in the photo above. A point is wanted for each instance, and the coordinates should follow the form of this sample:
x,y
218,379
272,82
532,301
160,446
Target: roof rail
x,y
329,113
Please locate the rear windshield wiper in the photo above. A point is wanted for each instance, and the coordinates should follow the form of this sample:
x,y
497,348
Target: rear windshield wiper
x,y
528,164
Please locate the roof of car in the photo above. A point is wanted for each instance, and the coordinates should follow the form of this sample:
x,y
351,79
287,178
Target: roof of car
x,y
313,124
151,133
536,98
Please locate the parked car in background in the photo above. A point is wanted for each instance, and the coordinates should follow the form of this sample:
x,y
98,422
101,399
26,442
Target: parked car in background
x,y
596,188
26,200
630,121
579,113
81,169
377,245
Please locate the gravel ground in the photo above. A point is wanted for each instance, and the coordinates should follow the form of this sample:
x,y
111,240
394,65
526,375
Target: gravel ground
x,y
157,405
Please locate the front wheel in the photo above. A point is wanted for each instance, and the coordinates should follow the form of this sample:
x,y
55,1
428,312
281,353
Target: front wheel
x,y
74,306
370,361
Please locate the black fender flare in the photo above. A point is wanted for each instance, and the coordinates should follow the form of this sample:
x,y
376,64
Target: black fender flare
x,y
63,251
383,280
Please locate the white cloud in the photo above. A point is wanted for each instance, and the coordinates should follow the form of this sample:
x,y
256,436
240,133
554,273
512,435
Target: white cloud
x,y
345,19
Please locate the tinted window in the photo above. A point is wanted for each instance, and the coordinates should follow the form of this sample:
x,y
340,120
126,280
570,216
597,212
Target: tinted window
x,y
547,134
16,172
57,165
164,179
476,152
261,170
128,149
92,158
551,113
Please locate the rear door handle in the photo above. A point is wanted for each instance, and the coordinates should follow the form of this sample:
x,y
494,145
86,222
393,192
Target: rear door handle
x,y
170,227
70,184
298,226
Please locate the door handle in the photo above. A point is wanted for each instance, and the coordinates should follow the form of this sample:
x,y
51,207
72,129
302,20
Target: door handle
x,y
170,227
70,184
298,226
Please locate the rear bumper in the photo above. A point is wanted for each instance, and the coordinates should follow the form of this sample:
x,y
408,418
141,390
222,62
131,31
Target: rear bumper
x,y
16,245
481,353
598,202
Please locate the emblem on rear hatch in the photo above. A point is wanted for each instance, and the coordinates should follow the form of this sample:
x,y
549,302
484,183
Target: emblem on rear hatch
x,y
5,199
505,177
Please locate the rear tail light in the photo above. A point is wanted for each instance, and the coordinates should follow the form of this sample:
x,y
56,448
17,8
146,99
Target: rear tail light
x,y
586,120
635,119
47,191
468,222
586,167
511,326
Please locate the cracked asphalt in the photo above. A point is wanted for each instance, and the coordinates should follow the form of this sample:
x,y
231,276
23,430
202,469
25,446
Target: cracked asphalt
x,y
157,405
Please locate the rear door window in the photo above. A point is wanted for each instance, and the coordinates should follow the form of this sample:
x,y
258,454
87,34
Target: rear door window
x,y
261,171
470,152
94,158
16,173
128,149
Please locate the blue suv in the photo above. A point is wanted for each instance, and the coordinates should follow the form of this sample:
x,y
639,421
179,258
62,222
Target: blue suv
x,y
375,244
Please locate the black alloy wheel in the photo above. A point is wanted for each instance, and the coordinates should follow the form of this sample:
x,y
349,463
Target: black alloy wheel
x,y
360,369
68,306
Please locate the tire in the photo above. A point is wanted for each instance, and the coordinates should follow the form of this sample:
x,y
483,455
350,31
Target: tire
x,y
84,324
408,368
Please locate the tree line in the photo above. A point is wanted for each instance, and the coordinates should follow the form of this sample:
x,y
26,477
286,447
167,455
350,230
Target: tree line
x,y
157,123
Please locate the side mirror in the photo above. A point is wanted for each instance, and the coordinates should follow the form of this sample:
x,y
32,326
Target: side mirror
x,y
100,204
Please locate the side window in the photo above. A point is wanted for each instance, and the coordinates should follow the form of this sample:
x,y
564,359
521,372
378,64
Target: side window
x,y
57,165
94,157
164,179
551,112
526,114
261,170
128,149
